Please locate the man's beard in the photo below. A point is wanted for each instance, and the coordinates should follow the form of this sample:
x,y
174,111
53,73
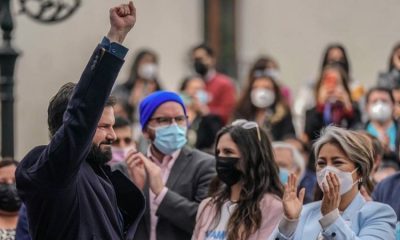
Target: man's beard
x,y
97,156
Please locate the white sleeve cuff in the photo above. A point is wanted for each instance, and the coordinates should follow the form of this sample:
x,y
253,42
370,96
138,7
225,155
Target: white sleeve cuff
x,y
329,218
287,227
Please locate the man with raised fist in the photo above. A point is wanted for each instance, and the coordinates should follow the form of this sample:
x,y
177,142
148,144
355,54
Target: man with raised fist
x,y
68,190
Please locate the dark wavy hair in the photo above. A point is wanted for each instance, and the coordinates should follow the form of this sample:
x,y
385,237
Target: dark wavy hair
x,y
259,176
391,64
343,75
344,62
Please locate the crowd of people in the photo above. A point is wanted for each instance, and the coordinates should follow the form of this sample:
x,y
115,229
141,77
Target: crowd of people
x,y
210,161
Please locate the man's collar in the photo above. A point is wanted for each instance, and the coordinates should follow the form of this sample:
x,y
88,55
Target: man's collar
x,y
168,158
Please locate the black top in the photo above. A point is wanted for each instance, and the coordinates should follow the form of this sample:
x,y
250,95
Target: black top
x,y
315,123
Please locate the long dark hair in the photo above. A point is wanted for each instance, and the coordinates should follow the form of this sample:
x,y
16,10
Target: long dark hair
x,y
259,176
133,75
344,77
395,48
344,62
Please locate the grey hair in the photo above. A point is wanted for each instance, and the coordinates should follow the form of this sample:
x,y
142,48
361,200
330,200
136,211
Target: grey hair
x,y
357,147
298,159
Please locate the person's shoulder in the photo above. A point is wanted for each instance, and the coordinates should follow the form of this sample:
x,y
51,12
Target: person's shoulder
x,y
26,163
391,180
205,201
271,201
223,79
389,185
32,155
271,198
198,155
205,206
377,210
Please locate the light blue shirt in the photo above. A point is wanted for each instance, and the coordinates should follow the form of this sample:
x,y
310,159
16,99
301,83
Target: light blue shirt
x,y
391,132
360,221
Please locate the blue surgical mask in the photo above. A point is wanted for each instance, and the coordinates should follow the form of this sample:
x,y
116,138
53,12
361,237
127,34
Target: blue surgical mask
x,y
283,175
170,138
202,96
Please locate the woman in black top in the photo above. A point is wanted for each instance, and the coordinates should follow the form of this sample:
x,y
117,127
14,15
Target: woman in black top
x,y
262,102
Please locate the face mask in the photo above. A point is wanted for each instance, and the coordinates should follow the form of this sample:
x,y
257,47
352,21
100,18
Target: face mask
x,y
262,98
187,100
118,154
9,199
148,71
380,111
283,175
202,96
345,178
170,138
227,171
200,68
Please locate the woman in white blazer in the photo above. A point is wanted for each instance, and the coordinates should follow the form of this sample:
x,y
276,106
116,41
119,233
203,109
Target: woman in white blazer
x,y
344,160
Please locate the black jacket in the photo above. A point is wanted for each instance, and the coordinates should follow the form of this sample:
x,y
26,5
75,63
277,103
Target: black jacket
x,y
66,197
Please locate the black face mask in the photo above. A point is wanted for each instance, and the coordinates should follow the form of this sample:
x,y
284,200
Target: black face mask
x,y
200,67
9,199
227,171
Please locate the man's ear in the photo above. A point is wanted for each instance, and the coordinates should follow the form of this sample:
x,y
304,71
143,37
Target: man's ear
x,y
145,132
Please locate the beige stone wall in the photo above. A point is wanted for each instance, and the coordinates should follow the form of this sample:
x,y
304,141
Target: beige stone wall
x,y
294,32
55,54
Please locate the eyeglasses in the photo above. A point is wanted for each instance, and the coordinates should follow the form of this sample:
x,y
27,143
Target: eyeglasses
x,y
166,121
247,125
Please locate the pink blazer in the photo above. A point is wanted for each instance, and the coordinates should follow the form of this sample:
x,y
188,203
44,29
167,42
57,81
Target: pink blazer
x,y
271,209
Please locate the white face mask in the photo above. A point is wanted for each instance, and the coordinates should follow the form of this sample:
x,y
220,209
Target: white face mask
x,y
345,178
262,98
380,111
148,71
202,96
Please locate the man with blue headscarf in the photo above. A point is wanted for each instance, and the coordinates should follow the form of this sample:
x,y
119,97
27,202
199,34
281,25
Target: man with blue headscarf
x,y
174,178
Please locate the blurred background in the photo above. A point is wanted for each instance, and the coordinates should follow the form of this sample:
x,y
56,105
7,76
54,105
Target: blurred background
x,y
295,33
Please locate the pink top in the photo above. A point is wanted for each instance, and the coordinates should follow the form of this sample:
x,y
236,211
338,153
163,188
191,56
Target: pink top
x,y
271,210
155,201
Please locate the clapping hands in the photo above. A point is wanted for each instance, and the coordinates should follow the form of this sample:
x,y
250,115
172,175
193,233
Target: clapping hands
x,y
141,169
292,204
331,199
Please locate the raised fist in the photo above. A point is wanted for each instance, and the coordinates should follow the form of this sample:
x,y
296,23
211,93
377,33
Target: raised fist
x,y
122,19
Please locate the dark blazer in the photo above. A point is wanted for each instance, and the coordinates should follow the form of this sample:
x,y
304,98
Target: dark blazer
x,y
187,185
65,196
